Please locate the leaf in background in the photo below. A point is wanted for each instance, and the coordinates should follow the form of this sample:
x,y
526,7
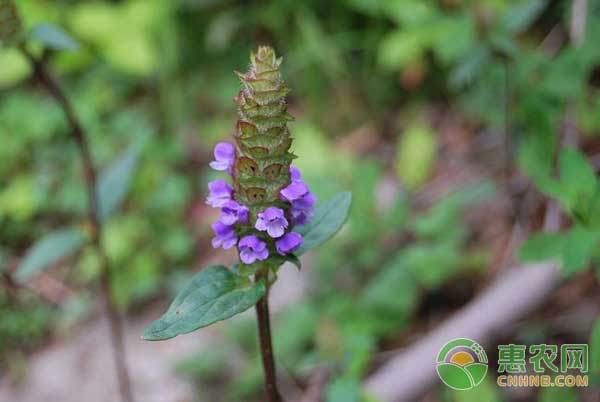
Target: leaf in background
x,y
578,248
552,394
486,391
327,220
344,390
535,153
577,173
595,353
53,37
391,295
416,155
51,248
15,67
214,294
400,47
519,17
467,70
115,180
541,246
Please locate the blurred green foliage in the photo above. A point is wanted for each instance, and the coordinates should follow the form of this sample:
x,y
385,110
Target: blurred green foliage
x,y
159,73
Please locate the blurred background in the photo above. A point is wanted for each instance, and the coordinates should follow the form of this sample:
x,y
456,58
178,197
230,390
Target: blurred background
x,y
437,115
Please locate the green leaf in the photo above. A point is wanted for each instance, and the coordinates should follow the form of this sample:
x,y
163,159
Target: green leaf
x,y
519,17
578,248
400,47
115,180
294,260
53,37
416,155
541,246
486,391
577,173
54,246
344,390
552,394
214,294
327,220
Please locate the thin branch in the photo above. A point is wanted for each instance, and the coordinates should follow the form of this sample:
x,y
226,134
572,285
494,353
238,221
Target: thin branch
x,y
78,135
266,345
518,292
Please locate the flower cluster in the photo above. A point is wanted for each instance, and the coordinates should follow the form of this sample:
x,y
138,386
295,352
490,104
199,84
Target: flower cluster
x,y
272,224
267,198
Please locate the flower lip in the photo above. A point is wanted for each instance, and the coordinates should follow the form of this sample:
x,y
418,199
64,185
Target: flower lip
x,y
219,193
225,236
224,153
288,243
233,212
272,220
252,249
294,191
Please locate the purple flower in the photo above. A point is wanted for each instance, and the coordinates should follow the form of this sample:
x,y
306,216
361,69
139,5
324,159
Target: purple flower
x,y
252,249
302,200
294,191
273,221
220,193
295,173
224,156
232,212
288,243
224,235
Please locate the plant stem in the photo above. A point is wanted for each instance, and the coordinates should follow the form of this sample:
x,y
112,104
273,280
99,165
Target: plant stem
x,y
266,346
78,135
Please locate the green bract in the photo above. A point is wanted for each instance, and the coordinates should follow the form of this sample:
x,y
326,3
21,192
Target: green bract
x,y
262,158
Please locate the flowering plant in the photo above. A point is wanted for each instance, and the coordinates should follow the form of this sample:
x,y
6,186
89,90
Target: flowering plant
x,y
266,210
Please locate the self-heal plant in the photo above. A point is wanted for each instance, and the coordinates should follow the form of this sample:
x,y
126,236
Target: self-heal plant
x,y
266,210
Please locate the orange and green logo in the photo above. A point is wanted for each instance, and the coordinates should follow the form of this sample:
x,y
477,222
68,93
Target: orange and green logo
x,y
462,364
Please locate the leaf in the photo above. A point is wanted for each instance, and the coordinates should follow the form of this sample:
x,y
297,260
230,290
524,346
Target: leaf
x,y
541,246
400,47
416,155
344,390
577,174
115,180
54,246
578,248
214,294
53,37
327,220
486,391
553,394
294,260
518,18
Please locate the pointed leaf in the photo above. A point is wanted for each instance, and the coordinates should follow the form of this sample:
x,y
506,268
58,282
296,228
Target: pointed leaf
x,y
541,246
327,220
54,246
214,294
53,37
115,180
